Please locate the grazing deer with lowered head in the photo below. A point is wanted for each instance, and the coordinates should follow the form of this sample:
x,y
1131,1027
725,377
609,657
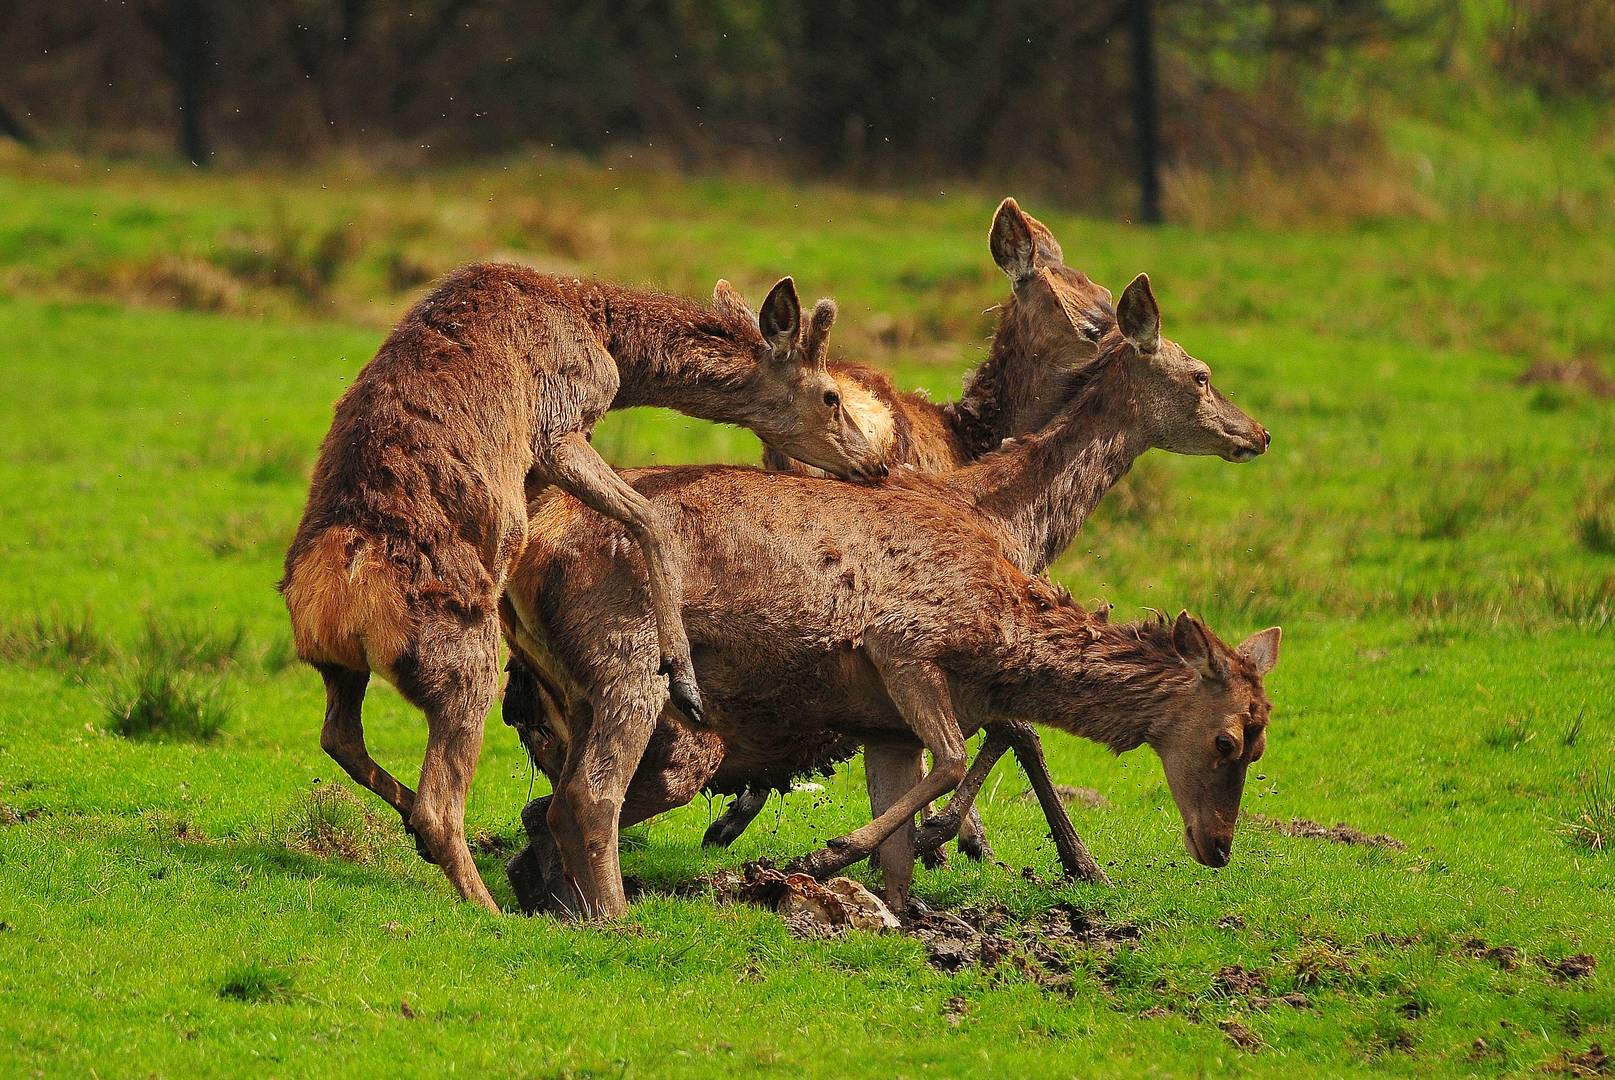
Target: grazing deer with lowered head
x,y
486,391
1048,330
813,594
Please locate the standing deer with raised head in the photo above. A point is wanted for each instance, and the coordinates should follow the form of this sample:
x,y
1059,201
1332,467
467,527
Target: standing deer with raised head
x,y
485,392
822,605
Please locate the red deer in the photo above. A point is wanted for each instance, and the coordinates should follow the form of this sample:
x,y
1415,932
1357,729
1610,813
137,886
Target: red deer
x,y
816,607
485,392
1048,330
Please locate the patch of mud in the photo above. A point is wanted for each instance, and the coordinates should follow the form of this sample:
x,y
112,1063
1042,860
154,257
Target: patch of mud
x,y
1080,796
1335,834
10,815
1579,374
1503,957
1231,921
1250,988
1571,968
1590,1062
1241,1036
1047,949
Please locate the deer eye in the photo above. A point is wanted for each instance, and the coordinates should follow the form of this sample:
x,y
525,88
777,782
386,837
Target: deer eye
x,y
1202,379
831,398
1225,744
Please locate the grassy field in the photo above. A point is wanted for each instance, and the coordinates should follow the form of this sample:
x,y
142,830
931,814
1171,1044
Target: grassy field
x,y
1436,537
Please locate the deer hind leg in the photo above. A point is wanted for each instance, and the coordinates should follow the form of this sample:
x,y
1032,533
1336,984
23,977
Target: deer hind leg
x,y
453,681
575,466
890,769
919,689
742,811
342,737
586,811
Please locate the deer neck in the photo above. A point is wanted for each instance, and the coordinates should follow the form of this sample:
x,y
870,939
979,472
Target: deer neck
x,y
1040,489
678,355
1022,383
1115,684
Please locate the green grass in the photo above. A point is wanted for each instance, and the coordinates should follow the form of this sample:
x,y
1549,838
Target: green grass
x,y
1433,542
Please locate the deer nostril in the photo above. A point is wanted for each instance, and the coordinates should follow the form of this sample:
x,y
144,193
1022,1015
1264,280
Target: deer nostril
x,y
1267,438
1222,849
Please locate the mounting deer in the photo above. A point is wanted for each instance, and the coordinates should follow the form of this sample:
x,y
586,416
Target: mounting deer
x,y
483,394
817,608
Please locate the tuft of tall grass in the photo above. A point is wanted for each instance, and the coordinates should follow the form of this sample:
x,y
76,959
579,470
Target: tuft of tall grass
x,y
256,983
330,822
1595,528
156,700
54,640
176,643
1593,826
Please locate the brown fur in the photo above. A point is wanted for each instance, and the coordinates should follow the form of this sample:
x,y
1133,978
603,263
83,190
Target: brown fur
x,y
486,391
882,613
1057,334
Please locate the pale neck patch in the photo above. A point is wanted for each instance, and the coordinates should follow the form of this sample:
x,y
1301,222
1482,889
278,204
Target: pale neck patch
x,y
872,415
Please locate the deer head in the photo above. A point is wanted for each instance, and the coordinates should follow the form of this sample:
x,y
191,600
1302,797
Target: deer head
x,y
1180,410
1218,728
1051,326
795,404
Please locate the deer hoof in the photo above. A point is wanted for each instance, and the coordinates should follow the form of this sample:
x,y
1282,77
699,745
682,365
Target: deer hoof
x,y
420,844
683,691
934,858
975,848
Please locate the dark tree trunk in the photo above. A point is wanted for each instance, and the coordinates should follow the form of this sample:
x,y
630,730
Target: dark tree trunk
x,y
190,52
181,28
1146,111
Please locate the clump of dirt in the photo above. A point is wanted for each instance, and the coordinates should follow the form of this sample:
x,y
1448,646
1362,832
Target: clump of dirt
x,y
1231,921
1336,834
1571,968
1043,948
1241,1036
1590,1062
1505,957
1252,990
10,815
954,1011
1085,796
1579,374
1236,980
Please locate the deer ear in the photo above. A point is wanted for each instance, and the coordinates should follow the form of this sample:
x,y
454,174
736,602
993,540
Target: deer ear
x,y
731,305
1194,645
1045,248
1139,316
781,318
1011,241
1262,649
818,331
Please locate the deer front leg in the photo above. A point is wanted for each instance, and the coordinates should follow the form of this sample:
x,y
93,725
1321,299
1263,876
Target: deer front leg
x,y
575,466
919,689
1074,857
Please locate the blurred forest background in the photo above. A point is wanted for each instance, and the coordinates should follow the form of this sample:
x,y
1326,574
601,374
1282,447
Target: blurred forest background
x,y
1110,106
